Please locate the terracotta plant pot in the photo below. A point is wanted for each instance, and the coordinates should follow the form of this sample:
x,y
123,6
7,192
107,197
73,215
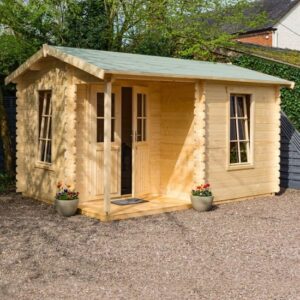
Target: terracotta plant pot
x,y
66,208
201,203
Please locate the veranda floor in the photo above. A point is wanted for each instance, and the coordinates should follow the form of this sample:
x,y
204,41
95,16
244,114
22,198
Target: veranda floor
x,y
156,205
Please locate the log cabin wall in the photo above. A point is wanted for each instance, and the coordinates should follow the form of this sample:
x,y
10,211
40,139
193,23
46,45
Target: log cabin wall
x,y
35,179
177,139
263,176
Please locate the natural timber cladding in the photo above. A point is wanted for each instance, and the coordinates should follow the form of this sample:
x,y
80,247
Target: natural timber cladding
x,y
33,178
177,139
263,177
199,133
69,133
82,140
20,149
154,130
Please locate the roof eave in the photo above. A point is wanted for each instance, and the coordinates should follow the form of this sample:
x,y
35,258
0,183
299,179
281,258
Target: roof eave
x,y
270,28
51,51
175,77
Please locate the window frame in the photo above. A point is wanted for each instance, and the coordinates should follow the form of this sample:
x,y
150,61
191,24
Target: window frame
x,y
143,118
113,117
40,118
250,163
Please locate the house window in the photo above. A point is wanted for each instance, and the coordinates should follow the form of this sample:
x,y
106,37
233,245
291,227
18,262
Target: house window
x,y
240,129
100,117
141,118
45,126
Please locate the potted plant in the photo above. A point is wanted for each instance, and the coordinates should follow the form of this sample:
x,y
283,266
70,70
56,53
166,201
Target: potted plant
x,y
66,200
202,197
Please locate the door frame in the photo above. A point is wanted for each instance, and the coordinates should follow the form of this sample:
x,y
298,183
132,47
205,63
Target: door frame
x,y
92,128
135,91
94,146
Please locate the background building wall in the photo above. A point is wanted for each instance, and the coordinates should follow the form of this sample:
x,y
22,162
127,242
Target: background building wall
x,y
288,30
263,38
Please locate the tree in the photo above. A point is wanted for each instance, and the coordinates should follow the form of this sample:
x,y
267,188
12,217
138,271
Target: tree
x,y
86,25
191,28
12,53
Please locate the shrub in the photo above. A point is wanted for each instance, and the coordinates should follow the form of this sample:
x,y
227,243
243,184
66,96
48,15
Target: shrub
x,y
7,183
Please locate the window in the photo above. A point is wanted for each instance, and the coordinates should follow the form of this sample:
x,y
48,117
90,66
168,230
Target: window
x,y
240,129
141,118
45,129
100,117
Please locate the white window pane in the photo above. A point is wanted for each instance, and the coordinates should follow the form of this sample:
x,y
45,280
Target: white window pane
x,y
233,135
232,106
48,152
144,106
240,107
234,157
113,130
45,126
139,105
242,132
100,114
100,105
144,129
42,149
139,130
244,152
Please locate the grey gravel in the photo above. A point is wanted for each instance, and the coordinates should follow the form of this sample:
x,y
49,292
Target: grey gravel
x,y
245,250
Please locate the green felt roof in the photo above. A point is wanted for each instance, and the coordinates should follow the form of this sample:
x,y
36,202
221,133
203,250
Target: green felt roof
x,y
136,64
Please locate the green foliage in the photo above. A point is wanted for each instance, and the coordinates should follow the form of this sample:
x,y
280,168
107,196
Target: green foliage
x,y
192,29
290,101
202,190
284,55
7,183
86,25
65,192
13,52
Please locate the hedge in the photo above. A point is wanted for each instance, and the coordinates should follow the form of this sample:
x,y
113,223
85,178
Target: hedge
x,y
290,100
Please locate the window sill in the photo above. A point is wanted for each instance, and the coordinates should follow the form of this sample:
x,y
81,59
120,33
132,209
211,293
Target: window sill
x,y
240,167
44,166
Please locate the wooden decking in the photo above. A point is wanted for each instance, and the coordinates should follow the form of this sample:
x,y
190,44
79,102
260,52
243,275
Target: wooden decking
x,y
156,205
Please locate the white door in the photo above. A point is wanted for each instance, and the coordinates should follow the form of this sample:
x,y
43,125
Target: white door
x,y
140,147
97,142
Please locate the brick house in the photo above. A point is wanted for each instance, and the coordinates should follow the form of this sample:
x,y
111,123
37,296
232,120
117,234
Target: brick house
x,y
282,29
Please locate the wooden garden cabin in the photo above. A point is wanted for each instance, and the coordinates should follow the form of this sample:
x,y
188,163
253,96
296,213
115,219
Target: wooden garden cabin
x,y
118,124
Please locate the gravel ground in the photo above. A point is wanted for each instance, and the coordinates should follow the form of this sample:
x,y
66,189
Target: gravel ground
x,y
246,250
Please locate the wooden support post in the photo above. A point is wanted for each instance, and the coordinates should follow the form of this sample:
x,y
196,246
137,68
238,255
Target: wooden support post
x,y
199,134
107,145
277,130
